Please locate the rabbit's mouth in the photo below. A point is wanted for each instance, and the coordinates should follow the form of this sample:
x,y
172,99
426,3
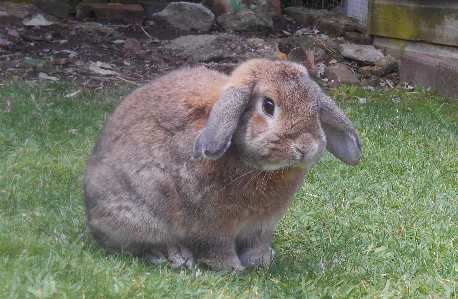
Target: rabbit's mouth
x,y
306,157
296,157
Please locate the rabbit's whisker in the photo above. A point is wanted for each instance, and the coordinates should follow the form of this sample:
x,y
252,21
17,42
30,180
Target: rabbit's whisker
x,y
239,177
252,178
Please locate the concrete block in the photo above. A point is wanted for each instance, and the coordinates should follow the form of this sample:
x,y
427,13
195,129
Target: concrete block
x,y
397,47
447,80
415,20
419,69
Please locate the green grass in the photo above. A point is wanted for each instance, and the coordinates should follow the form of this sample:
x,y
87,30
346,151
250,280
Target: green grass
x,y
385,229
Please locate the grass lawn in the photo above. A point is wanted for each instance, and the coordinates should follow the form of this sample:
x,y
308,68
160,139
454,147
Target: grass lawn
x,y
385,229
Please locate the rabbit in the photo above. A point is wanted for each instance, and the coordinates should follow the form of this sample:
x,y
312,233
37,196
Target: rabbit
x,y
197,167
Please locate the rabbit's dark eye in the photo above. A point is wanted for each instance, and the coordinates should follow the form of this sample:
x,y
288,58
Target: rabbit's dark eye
x,y
268,106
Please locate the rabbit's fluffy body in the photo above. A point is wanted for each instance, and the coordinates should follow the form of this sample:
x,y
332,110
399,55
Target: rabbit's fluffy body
x,y
149,193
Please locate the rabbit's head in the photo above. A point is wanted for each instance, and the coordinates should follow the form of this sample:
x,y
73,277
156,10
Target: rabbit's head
x,y
276,117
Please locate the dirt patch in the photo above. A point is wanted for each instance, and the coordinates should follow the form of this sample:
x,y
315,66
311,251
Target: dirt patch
x,y
97,55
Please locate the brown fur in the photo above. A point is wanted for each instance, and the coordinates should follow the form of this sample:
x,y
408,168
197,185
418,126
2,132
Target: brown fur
x,y
146,196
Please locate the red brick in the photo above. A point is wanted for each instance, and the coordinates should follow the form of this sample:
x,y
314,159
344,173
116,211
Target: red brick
x,y
419,69
130,13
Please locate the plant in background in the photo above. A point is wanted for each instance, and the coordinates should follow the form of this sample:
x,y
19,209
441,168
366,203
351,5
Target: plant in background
x,y
237,5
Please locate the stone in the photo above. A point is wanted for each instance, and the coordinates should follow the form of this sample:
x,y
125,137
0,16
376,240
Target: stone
x,y
12,33
201,48
388,63
338,74
100,70
37,20
93,26
382,67
362,53
358,38
287,44
13,13
272,6
369,71
132,44
185,16
297,55
337,26
246,20
304,16
4,43
305,57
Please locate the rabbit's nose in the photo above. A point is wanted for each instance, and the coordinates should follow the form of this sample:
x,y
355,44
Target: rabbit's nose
x,y
300,151
309,152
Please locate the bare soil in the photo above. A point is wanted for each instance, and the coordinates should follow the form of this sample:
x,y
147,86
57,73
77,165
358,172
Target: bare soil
x,y
63,52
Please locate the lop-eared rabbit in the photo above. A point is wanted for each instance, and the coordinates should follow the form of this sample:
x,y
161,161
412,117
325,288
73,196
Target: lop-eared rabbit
x,y
199,167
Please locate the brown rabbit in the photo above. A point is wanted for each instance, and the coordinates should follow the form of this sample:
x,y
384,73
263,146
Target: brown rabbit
x,y
199,167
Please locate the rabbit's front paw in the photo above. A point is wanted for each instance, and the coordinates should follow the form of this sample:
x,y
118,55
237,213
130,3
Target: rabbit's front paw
x,y
257,258
176,256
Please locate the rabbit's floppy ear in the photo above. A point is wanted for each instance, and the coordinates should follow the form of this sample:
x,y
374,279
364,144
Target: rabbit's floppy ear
x,y
341,137
214,140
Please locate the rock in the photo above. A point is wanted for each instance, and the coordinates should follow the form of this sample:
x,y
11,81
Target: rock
x,y
337,26
13,13
358,38
388,63
102,69
37,20
304,16
328,22
216,48
287,44
44,76
258,47
305,57
361,53
131,44
200,48
92,27
298,55
384,66
246,20
4,43
185,16
12,34
339,73
324,48
272,6
320,54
